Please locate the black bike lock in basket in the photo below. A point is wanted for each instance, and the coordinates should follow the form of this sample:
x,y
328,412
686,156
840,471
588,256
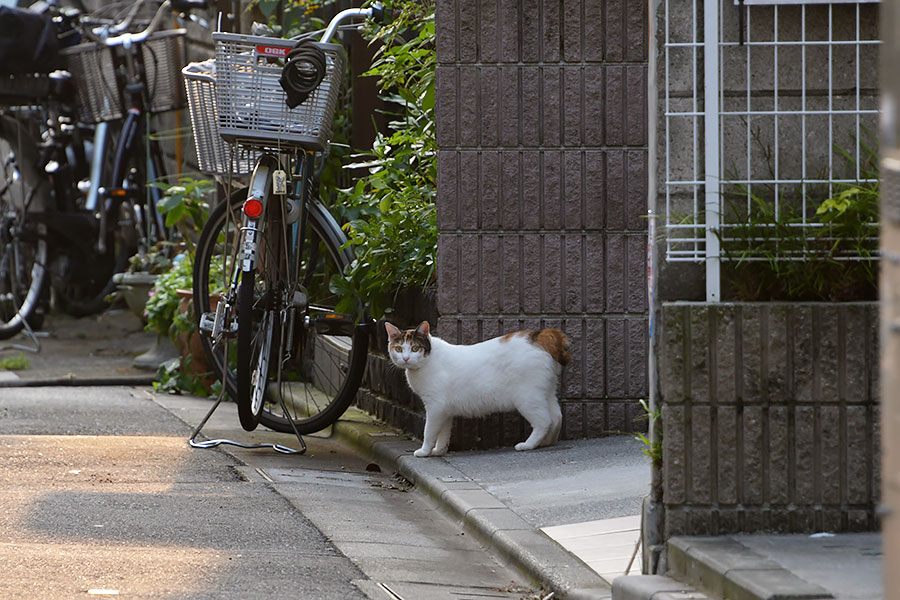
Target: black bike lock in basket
x,y
251,102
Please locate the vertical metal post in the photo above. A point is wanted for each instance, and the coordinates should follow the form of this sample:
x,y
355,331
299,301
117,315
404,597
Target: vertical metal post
x,y
653,511
711,146
890,296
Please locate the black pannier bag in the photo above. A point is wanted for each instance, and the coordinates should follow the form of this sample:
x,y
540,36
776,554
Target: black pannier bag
x,y
28,42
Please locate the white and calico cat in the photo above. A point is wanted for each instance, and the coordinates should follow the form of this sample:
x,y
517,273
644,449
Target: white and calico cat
x,y
519,371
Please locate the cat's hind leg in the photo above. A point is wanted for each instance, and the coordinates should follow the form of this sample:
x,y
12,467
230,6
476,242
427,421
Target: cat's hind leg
x,y
434,425
443,439
536,412
555,422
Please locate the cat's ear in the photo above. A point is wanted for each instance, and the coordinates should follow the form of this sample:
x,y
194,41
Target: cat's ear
x,y
423,329
392,331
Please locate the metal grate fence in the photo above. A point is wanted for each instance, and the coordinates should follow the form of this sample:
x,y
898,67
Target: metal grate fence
x,y
793,92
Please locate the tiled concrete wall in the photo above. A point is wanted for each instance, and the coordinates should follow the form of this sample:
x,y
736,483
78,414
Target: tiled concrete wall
x,y
770,416
542,173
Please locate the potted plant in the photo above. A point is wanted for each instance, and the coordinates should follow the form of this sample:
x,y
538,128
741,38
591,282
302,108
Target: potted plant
x,y
169,310
134,284
185,208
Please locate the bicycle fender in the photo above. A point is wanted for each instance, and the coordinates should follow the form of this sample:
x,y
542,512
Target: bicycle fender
x,y
260,185
331,229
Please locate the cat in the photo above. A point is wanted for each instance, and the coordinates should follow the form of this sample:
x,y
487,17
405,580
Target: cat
x,y
518,370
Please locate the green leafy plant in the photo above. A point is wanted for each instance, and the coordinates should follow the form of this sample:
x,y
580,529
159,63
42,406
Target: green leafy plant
x,y
171,314
156,260
288,18
828,254
162,305
389,214
175,376
186,208
15,363
653,449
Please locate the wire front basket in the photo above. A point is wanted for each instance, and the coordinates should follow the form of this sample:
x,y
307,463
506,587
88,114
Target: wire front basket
x,y
251,103
214,155
94,69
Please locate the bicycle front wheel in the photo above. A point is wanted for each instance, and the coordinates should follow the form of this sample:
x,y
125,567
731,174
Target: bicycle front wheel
x,y
23,239
302,361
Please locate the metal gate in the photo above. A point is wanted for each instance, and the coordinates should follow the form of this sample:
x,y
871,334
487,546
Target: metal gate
x,y
793,94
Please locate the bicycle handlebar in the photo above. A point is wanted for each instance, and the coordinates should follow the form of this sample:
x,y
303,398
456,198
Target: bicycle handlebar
x,y
376,11
126,39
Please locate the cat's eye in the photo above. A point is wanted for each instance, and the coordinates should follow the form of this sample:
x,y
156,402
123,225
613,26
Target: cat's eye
x,y
397,348
416,348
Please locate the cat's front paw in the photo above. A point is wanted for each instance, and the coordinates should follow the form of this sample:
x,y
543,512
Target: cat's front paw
x,y
523,446
421,453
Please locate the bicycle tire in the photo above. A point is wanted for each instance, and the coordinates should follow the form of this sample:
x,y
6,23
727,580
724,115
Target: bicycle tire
x,y
83,277
248,350
23,240
319,374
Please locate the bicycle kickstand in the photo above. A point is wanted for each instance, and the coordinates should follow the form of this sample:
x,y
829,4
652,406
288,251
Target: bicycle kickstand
x,y
31,333
214,443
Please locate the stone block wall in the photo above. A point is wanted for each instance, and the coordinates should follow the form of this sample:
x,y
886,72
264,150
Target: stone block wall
x,y
542,183
770,417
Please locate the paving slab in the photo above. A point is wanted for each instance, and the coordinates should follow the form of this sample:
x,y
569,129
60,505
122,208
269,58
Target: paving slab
x,y
783,567
99,349
506,497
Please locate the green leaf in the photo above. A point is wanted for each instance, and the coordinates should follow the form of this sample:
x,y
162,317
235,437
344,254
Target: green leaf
x,y
167,203
428,98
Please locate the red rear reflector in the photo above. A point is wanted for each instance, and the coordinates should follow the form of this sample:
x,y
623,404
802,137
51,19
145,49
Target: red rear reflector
x,y
253,208
119,193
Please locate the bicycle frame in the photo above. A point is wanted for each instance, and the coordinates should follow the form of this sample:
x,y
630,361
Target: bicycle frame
x,y
299,203
132,142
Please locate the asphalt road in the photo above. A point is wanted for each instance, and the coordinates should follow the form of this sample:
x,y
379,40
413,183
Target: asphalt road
x,y
100,495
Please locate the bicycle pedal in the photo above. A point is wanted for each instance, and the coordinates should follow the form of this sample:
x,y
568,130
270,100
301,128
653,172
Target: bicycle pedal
x,y
208,323
334,324
213,324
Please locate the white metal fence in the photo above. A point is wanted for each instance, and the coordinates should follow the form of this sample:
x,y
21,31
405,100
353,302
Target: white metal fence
x,y
793,94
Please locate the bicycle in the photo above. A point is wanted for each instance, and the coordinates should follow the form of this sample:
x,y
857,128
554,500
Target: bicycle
x,y
76,205
123,79
267,254
43,156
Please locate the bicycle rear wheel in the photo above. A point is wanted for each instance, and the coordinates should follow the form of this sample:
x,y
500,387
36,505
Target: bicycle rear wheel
x,y
302,359
82,274
23,240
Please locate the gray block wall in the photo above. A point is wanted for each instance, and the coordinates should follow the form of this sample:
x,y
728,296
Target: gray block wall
x,y
769,417
542,183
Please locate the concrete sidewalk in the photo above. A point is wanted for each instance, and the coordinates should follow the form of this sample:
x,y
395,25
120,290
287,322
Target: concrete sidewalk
x,y
552,512
544,508
566,515
765,567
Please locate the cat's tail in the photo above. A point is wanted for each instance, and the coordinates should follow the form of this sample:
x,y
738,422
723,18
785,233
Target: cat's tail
x,y
555,343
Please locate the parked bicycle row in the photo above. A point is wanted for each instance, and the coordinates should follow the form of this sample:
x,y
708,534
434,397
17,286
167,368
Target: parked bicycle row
x,y
78,163
78,195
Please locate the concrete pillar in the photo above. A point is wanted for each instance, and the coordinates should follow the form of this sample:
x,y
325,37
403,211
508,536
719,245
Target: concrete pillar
x,y
890,295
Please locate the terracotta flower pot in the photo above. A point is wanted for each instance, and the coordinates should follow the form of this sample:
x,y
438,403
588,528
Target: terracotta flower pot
x,y
190,345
